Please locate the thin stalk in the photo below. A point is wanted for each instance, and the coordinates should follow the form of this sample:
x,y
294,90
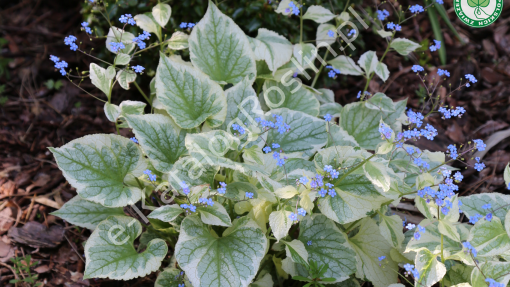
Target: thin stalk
x,y
320,69
355,168
380,61
301,22
143,94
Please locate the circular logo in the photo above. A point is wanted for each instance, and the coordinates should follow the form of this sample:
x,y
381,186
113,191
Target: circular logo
x,y
478,13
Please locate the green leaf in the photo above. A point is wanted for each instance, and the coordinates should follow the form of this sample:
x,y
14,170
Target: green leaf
x,y
110,252
99,79
326,96
334,109
339,156
125,77
472,204
273,48
499,271
322,34
84,213
363,123
430,268
355,196
368,62
404,46
280,223
230,260
346,66
296,250
377,174
446,228
277,95
339,137
283,6
265,281
166,213
178,41
307,134
169,277
304,54
489,238
329,246
506,175
242,108
161,139
118,35
478,3
458,274
98,167
122,59
162,13
191,171
188,95
147,23
110,73
219,48
214,215
431,240
369,245
253,155
380,102
391,229
211,147
382,71
318,14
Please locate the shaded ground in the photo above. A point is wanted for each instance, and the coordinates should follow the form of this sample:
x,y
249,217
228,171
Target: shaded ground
x,y
35,117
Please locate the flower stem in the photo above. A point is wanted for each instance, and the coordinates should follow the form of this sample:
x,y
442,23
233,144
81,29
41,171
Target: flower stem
x,y
380,61
320,69
143,94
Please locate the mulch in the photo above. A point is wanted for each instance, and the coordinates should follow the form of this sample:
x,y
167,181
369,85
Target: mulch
x,y
35,118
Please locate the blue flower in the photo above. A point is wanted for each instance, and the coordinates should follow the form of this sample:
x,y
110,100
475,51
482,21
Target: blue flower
x,y
293,9
138,69
183,25
479,166
416,9
390,25
309,243
453,151
474,219
488,217
480,146
421,229
494,283
249,195
152,177
303,180
322,192
185,187
331,33
332,192
385,131
275,145
458,176
410,226
352,32
293,216
417,68
439,2
415,117
127,18
381,258
223,188
327,117
86,27
116,47
238,128
69,41
487,206
471,78
470,248
442,72
398,27
417,235
301,212
134,140
382,14
266,149
331,74
436,46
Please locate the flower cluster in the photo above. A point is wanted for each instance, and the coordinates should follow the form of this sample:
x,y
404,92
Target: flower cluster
x,y
442,72
385,131
294,9
278,157
448,113
239,129
352,32
206,201
470,248
86,27
410,269
138,69
436,46
279,124
185,25
382,14
452,151
393,26
333,72
152,177
134,140
470,78
140,38
417,68
127,18
415,118
223,188
479,145
479,166
61,65
70,41
116,47
191,207
248,195
331,172
494,283
416,9
185,187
